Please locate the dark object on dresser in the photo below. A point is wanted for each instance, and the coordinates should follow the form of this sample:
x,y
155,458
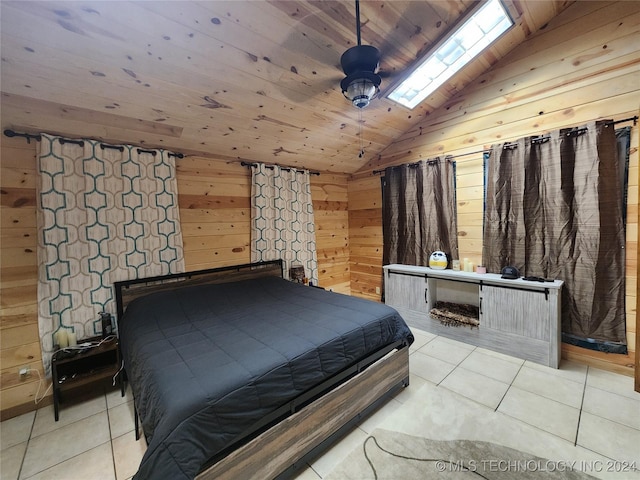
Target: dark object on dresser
x,y
296,274
511,273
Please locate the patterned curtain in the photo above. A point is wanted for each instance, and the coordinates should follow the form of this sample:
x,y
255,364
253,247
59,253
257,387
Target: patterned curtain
x,y
419,212
282,223
554,210
104,214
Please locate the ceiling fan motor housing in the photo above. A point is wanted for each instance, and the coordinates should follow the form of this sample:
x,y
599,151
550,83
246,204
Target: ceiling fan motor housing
x,y
361,83
361,58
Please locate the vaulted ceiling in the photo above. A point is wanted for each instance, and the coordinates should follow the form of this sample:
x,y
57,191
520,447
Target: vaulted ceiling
x,y
238,80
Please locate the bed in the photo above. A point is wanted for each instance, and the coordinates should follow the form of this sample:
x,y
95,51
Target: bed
x,y
239,373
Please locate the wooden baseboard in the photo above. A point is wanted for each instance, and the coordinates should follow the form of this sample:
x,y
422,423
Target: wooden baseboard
x,y
612,362
72,397
23,408
286,443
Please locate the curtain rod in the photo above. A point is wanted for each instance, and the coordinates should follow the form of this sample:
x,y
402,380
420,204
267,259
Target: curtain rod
x,y
634,119
286,169
540,139
432,162
28,136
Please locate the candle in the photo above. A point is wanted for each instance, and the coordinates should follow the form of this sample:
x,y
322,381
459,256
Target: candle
x,y
455,264
72,339
61,339
481,270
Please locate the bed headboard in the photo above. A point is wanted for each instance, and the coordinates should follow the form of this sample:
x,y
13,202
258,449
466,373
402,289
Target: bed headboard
x,y
128,290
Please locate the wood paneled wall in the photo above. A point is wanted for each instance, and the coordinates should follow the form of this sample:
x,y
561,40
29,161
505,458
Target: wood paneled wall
x,y
215,219
330,207
583,66
365,236
19,337
215,215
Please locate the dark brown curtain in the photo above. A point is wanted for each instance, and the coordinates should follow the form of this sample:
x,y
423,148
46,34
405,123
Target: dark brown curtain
x,y
554,210
419,214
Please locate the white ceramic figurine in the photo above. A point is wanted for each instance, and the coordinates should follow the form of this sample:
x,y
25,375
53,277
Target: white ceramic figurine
x,y
438,260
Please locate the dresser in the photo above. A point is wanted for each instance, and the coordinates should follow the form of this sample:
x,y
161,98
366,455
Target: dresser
x,y
517,317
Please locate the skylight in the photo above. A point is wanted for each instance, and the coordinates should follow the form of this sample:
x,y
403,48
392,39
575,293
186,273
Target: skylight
x,y
465,42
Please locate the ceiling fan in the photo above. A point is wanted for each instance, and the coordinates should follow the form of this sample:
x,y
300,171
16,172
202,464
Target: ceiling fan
x,y
360,65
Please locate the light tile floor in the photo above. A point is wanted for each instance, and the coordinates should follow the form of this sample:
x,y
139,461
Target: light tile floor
x,y
574,414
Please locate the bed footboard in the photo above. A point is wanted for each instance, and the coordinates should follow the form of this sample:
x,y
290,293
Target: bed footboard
x,y
283,449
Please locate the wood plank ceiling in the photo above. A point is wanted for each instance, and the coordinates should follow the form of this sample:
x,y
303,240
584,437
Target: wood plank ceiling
x,y
238,80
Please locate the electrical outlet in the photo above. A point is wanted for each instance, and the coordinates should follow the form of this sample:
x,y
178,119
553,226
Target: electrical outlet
x,y
377,290
24,372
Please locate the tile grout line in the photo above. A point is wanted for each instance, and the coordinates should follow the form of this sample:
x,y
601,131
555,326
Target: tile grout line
x,y
611,420
113,456
615,393
564,380
469,398
454,368
422,346
314,471
59,427
509,387
584,392
26,448
538,428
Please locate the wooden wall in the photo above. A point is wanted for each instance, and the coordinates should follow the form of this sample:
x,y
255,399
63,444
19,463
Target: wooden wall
x,y
215,219
583,66
365,236
214,198
329,193
19,337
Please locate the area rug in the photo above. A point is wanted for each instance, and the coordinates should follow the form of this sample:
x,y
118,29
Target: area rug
x,y
456,314
387,455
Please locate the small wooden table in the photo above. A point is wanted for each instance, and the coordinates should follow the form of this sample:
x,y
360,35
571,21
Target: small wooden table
x,y
94,359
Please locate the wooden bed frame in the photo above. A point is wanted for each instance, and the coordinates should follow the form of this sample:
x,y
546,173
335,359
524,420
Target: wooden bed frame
x,y
280,445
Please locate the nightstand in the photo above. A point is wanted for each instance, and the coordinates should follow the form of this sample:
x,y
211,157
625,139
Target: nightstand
x,y
78,366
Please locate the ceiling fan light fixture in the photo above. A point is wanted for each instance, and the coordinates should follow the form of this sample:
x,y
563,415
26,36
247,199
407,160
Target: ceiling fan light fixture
x,y
360,88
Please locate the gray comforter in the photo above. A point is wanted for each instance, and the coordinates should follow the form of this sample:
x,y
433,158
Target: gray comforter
x,y
207,362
